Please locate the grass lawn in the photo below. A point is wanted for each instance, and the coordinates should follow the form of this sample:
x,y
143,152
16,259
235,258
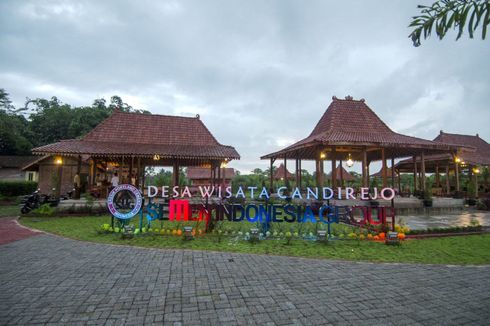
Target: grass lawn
x,y
9,211
474,249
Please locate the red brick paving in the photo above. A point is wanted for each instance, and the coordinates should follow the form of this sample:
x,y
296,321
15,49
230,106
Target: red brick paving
x,y
11,231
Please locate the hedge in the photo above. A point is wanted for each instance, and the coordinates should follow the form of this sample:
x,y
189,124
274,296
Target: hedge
x,y
17,188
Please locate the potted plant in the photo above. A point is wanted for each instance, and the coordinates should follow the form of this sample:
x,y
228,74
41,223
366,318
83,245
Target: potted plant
x,y
471,194
427,200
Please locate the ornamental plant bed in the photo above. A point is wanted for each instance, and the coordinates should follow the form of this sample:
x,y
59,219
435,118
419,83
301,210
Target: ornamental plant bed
x,y
445,232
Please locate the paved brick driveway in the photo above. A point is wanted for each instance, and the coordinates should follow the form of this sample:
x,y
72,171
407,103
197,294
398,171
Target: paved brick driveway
x,y
47,279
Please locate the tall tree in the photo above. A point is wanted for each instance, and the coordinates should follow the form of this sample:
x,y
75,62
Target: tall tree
x,y
443,15
14,131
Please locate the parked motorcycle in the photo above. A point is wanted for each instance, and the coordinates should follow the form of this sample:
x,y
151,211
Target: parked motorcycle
x,y
35,200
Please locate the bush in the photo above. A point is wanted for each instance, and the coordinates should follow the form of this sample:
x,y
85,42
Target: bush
x,y
17,188
44,210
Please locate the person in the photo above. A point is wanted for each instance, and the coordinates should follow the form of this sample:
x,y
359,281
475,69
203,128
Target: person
x,y
115,180
77,184
98,180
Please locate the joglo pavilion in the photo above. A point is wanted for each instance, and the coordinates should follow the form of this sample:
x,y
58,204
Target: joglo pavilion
x,y
348,131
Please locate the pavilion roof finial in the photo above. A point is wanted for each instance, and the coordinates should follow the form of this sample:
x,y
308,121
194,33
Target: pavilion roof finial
x,y
349,98
334,98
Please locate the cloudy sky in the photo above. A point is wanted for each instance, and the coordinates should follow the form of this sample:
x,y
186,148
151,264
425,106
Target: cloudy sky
x,y
259,73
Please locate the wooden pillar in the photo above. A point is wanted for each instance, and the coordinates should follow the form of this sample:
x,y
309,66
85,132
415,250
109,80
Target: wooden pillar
x,y
131,163
285,169
297,172
143,181
334,171
438,177
456,174
368,175
219,175
476,185
271,184
138,181
384,173
322,173
93,172
422,171
175,174
318,172
393,173
341,173
224,178
414,173
121,169
300,174
448,187
364,168
399,181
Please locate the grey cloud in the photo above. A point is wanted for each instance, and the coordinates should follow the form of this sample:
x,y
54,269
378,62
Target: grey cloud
x,y
260,73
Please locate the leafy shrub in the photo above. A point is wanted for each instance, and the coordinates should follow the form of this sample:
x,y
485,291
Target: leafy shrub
x,y
44,210
17,188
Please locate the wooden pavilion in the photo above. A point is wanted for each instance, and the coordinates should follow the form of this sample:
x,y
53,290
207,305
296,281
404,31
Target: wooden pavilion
x,y
282,173
474,154
342,175
126,143
350,130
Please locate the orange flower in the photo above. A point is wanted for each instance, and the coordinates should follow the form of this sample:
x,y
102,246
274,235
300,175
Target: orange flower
x,y
382,236
179,232
401,236
370,236
376,238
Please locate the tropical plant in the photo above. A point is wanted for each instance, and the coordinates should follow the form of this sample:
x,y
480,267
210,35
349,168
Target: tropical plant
x,y
443,15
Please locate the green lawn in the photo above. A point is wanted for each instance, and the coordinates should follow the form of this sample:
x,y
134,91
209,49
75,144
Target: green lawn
x,y
473,249
9,211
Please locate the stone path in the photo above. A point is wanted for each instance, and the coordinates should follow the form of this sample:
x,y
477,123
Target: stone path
x,y
52,280
11,230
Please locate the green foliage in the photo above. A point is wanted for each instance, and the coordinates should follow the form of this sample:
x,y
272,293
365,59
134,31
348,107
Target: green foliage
x,y
17,188
443,15
44,210
474,249
14,131
49,121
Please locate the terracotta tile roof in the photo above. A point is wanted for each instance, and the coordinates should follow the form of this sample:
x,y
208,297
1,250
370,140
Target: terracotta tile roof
x,y
282,172
146,135
475,151
196,173
14,161
379,174
481,154
345,174
352,123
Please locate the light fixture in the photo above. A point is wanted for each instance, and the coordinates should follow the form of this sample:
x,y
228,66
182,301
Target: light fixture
x,y
254,235
476,170
321,235
323,155
188,233
349,162
457,159
58,160
224,164
156,157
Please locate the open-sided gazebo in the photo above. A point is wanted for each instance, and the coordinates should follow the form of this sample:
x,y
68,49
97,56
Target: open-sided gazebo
x,y
474,153
350,131
342,175
128,142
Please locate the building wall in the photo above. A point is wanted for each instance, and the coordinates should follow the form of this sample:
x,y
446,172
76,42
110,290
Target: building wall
x,y
11,174
49,175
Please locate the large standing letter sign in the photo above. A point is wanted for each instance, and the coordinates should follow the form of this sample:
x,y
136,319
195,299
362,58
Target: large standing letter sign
x,y
120,202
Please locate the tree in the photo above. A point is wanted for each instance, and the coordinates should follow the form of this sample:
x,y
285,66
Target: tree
x,y
13,129
443,15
